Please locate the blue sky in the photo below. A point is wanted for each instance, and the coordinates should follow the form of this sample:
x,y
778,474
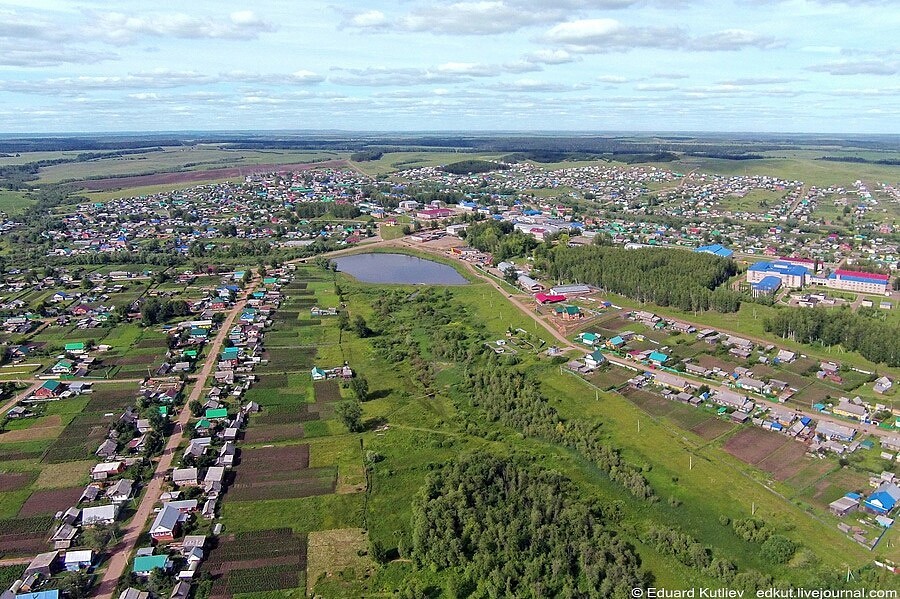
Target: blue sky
x,y
481,65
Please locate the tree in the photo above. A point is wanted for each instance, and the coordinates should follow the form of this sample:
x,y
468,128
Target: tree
x,y
360,326
360,388
343,321
77,585
350,413
101,537
195,407
159,583
778,549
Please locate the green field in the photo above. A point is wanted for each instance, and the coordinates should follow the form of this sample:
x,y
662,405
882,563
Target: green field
x,y
14,203
193,158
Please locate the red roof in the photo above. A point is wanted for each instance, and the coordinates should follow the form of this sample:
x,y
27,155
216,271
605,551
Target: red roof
x,y
864,275
547,298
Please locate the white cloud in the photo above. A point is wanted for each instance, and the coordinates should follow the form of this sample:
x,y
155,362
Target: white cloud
x,y
858,67
120,28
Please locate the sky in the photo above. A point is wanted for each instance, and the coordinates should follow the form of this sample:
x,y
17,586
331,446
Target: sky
x,y
819,66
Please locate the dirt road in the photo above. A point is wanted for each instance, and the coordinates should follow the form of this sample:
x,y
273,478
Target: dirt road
x,y
122,552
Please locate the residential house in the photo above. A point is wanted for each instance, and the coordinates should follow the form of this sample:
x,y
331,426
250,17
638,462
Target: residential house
x,y
78,560
44,564
850,409
107,449
166,524
121,491
212,482
145,564
99,514
104,470
185,477
884,499
882,385
49,390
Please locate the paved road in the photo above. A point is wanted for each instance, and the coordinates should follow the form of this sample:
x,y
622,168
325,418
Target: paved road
x,y
122,552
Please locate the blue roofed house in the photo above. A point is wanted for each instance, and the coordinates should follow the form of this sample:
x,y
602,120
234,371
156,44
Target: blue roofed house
x,y
716,249
658,358
884,499
616,342
589,338
51,594
145,564
594,359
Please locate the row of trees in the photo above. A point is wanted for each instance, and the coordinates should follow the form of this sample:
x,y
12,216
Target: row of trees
x,y
155,310
516,532
499,239
875,340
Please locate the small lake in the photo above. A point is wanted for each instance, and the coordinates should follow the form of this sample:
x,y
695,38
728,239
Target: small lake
x,y
398,268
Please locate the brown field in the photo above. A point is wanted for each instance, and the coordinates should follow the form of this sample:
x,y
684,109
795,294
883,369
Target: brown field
x,y
196,176
800,365
259,462
327,391
752,445
12,481
48,427
814,393
273,433
712,428
784,462
50,501
707,361
268,560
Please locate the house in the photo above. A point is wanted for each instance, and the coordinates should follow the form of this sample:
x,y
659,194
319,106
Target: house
x,y
145,564
318,374
184,506
64,536
185,477
217,414
846,504
831,430
49,390
891,443
529,284
76,560
99,514
589,338
616,342
107,449
104,470
166,524
884,499
750,384
212,482
133,593
658,358
850,410
76,349
594,359
734,400
882,385
181,590
63,367
193,542
121,491
569,312
43,564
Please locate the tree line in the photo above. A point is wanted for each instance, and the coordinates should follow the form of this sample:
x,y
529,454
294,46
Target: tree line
x,y
875,340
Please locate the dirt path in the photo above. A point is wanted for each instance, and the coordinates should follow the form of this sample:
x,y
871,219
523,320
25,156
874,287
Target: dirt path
x,y
20,396
122,552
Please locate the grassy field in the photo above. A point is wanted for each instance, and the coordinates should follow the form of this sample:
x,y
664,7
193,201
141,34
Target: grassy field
x,y
14,203
202,157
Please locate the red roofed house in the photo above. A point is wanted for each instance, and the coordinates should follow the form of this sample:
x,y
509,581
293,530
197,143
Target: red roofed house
x,y
548,298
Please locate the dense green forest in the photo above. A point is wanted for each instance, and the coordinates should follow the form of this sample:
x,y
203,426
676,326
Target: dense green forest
x,y
514,531
685,280
499,239
468,167
314,209
875,340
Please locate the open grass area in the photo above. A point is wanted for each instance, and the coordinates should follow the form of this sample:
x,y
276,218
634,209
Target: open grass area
x,y
14,203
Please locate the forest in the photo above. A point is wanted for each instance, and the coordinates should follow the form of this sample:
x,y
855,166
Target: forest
x,y
874,339
515,531
685,280
468,167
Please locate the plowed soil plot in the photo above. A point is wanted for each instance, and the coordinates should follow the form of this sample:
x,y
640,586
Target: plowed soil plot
x,y
786,461
50,501
208,175
753,445
327,391
273,433
256,463
267,560
24,536
712,428
13,481
279,473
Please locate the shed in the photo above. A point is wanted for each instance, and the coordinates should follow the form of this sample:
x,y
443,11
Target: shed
x,y
76,560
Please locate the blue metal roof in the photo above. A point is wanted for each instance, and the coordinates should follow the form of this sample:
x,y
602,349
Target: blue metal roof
x,y
769,283
779,267
717,249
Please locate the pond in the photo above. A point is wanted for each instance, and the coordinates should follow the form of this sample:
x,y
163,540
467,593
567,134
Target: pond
x,y
398,268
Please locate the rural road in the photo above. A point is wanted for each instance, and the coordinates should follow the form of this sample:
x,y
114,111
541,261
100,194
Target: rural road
x,y
121,553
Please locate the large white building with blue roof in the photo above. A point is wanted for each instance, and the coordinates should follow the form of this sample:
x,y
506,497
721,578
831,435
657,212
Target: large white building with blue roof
x,y
791,275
